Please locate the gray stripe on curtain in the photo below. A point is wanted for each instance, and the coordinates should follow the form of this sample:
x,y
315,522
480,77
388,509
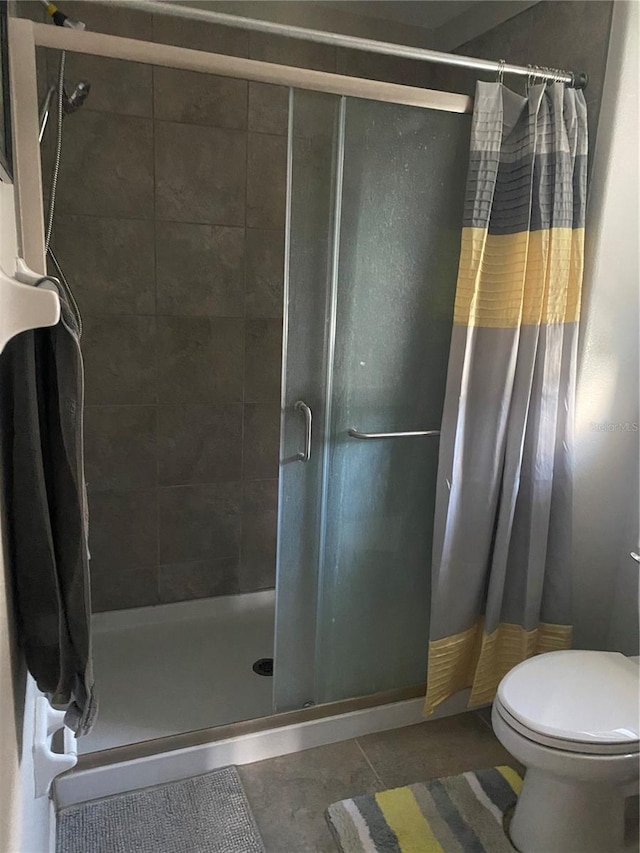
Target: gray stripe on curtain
x,y
561,205
535,177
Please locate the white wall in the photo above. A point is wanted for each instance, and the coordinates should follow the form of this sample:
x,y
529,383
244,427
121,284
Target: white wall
x,y
606,498
9,740
26,824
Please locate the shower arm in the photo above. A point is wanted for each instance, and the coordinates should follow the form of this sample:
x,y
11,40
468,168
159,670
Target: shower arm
x,y
180,10
44,112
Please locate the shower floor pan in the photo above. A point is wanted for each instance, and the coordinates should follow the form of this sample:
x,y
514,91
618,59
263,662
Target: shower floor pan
x,y
176,668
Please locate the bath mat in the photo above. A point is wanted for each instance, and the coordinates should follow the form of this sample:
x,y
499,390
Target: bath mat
x,y
458,814
204,814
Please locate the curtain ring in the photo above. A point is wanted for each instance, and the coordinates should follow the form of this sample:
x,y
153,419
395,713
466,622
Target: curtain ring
x,y
500,75
530,79
535,74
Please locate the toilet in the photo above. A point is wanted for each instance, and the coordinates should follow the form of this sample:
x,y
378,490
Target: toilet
x,y
571,718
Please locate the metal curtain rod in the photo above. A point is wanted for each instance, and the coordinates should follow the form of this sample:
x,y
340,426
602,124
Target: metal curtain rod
x,y
578,81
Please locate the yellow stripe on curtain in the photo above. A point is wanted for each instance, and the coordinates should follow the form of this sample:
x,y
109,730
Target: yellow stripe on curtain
x,y
479,660
508,280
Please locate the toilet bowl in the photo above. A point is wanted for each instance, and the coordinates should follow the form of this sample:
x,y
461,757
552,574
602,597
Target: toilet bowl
x,y
572,719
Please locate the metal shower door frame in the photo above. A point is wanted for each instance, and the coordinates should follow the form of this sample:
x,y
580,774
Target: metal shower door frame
x,y
25,36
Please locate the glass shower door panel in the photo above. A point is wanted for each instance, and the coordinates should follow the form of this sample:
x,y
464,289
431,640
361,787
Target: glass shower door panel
x,y
404,171
310,201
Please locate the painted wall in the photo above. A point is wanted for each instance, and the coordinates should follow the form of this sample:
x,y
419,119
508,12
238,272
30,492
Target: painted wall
x,y
606,499
25,822
11,683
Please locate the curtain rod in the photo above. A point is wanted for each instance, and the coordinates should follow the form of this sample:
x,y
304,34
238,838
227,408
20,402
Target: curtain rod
x,y
578,81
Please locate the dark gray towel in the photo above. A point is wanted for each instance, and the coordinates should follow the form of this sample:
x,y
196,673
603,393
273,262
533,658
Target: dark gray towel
x,y
42,443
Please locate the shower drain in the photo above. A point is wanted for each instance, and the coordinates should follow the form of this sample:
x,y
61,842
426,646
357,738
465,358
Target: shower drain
x,y
264,666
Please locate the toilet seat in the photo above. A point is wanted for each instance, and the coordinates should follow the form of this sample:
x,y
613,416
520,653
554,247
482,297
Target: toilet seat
x,y
563,744
577,701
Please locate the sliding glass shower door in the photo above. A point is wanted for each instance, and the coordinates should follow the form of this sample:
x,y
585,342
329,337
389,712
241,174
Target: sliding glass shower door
x,y
375,209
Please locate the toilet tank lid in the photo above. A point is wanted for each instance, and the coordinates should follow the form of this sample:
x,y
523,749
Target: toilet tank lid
x,y
581,696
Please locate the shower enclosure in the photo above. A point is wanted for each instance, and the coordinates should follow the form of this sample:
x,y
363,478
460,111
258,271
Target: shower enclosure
x,y
372,202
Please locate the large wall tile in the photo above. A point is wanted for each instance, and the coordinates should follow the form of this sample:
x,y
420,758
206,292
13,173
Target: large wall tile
x,y
199,523
107,168
287,51
199,443
266,181
376,66
121,447
123,529
200,269
117,86
121,587
103,18
200,174
268,108
194,98
259,529
264,281
186,581
109,263
120,360
200,360
199,35
261,441
263,360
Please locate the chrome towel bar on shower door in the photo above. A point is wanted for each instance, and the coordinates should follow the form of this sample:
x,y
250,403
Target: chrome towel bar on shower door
x,y
368,436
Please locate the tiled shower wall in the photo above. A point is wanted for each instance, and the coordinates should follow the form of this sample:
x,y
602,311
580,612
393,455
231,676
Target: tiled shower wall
x,y
169,227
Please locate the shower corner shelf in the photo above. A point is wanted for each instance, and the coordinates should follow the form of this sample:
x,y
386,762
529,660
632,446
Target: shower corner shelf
x,y
24,306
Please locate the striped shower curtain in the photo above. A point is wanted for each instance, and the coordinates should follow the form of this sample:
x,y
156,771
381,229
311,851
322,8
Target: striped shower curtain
x,y
501,587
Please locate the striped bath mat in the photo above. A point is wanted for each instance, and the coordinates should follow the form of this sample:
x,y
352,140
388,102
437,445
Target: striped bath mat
x,y
459,814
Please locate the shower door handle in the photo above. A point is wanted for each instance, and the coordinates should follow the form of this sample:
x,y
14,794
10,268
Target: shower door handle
x,y
300,406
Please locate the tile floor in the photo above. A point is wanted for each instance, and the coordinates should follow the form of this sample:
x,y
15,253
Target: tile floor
x,y
289,794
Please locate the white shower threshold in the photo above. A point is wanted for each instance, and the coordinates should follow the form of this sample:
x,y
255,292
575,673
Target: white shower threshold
x,y
175,668
84,784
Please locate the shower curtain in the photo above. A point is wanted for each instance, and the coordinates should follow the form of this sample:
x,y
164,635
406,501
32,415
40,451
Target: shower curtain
x,y
501,586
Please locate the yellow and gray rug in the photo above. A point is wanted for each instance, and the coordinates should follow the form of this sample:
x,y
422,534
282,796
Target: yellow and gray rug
x,y
203,814
459,814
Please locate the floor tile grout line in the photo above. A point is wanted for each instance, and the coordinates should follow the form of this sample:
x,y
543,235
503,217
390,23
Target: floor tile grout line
x,y
366,758
158,380
482,717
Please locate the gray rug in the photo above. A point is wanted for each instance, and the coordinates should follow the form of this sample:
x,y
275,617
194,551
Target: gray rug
x,y
204,814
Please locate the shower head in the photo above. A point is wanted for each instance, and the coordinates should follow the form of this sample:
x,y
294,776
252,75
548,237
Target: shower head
x,y
70,102
75,99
